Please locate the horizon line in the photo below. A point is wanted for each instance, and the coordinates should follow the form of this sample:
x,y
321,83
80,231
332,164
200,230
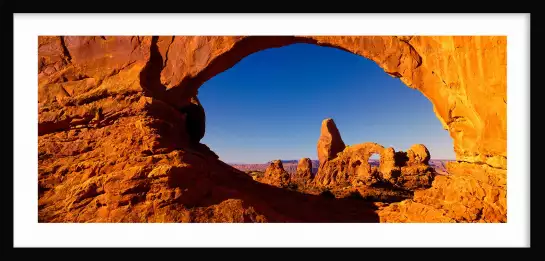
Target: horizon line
x,y
239,163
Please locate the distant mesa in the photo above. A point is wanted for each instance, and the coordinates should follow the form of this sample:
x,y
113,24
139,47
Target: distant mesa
x,y
286,161
291,166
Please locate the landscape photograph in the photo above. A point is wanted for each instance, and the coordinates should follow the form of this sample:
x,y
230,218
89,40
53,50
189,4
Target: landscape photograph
x,y
272,129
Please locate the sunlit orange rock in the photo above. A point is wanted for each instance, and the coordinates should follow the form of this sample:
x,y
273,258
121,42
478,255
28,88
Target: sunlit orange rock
x,y
330,142
276,175
113,109
352,168
303,173
470,194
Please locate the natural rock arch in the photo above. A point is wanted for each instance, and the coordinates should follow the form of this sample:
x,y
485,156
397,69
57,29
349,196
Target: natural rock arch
x,y
468,96
109,131
351,163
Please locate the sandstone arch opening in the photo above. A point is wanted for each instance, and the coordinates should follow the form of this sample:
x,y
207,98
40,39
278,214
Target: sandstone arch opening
x,y
399,56
236,93
142,139
374,160
232,98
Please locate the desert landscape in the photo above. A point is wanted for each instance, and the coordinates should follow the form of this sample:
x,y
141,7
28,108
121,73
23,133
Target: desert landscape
x,y
290,166
120,130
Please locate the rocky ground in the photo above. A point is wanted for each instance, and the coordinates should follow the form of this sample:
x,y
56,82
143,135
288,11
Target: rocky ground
x,y
120,125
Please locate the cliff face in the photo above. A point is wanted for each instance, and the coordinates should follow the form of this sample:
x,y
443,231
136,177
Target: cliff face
x,y
119,127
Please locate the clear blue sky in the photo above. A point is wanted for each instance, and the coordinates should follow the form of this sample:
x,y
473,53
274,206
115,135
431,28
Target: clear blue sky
x,y
271,104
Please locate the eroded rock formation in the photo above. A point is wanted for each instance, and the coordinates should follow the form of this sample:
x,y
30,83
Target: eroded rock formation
x,y
351,167
470,194
303,174
418,154
111,113
415,172
276,175
330,142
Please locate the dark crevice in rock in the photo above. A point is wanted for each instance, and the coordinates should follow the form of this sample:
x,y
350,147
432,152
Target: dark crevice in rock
x,y
458,119
445,83
479,163
51,127
195,122
479,214
65,50
449,115
150,79
142,187
395,74
415,55
65,91
89,192
150,76
166,53
452,119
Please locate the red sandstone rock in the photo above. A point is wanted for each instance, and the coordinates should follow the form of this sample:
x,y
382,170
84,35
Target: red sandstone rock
x,y
304,169
388,165
418,154
472,193
303,174
330,142
109,116
414,170
417,60
276,175
409,211
228,211
351,166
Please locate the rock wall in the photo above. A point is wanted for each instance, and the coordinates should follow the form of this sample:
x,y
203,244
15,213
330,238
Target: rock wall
x,y
112,109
